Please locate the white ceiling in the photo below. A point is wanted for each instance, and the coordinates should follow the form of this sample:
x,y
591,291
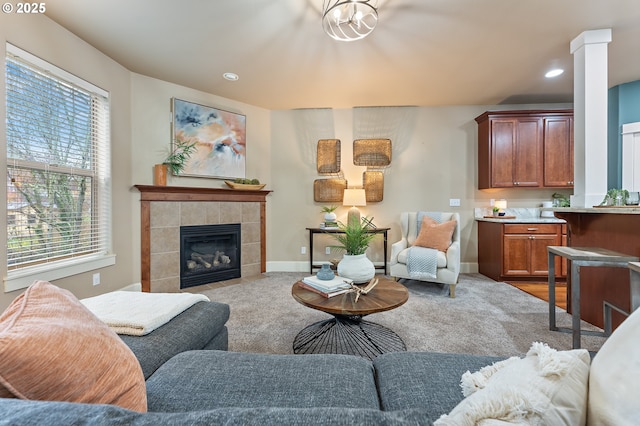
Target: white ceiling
x,y
423,52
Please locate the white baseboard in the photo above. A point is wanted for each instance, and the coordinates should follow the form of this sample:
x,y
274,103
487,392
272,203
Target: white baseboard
x,y
303,266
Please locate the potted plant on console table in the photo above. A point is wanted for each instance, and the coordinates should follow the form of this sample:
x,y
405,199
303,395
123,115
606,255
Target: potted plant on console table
x,y
354,240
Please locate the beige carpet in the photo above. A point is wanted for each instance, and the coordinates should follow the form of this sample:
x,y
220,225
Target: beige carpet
x,y
486,317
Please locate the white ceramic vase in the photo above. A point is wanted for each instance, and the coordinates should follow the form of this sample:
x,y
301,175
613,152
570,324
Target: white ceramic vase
x,y
357,268
330,217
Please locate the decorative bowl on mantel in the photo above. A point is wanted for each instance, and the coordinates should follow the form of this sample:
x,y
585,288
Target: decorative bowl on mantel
x,y
244,186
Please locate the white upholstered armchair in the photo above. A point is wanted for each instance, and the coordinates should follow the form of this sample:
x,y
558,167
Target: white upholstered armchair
x,y
447,263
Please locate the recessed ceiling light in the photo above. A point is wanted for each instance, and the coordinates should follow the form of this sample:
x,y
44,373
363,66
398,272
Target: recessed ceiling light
x,y
230,76
554,73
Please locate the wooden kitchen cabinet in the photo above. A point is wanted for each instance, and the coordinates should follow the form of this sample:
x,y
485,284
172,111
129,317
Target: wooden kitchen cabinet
x,y
517,251
525,149
525,248
558,151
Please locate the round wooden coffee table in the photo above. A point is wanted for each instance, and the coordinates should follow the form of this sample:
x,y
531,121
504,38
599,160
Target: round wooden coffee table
x,y
347,332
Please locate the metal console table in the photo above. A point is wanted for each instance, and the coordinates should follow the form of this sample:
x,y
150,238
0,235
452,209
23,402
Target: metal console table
x,y
579,256
313,231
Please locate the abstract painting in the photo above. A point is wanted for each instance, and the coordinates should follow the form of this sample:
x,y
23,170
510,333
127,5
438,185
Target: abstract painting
x,y
220,138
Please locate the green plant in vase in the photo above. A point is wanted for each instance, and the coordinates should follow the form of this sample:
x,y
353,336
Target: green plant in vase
x,y
329,214
179,155
354,239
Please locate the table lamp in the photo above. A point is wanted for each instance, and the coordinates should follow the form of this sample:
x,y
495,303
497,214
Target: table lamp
x,y
353,198
501,205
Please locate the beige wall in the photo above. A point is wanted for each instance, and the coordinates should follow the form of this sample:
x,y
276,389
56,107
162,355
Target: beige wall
x,y
44,38
434,157
151,136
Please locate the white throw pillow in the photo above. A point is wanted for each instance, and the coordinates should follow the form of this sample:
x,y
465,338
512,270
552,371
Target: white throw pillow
x,y
547,387
614,381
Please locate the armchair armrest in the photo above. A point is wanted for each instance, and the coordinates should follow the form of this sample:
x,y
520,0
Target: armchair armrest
x,y
396,248
453,257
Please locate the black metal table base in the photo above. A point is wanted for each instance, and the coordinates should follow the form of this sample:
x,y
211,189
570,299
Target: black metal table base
x,y
349,335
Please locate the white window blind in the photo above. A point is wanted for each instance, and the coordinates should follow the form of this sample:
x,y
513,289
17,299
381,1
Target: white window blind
x,y
58,180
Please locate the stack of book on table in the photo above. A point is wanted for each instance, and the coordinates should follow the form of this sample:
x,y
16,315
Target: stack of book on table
x,y
327,288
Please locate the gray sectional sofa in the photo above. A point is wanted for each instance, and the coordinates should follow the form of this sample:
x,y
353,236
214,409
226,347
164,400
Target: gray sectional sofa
x,y
188,377
192,379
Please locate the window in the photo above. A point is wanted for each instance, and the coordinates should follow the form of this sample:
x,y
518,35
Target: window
x,y
58,181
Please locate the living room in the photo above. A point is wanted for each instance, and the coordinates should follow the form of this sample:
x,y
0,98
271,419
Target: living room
x,y
435,161
434,156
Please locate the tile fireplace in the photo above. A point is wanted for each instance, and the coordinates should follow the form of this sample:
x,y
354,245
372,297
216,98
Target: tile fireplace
x,y
209,253
164,210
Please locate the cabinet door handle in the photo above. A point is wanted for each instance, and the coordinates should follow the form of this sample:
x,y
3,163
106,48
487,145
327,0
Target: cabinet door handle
x,y
532,229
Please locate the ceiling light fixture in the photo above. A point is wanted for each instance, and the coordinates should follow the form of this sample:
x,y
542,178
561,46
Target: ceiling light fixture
x,y
230,76
554,73
349,20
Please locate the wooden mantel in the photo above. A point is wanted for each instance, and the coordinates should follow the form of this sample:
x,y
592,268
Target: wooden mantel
x,y
152,193
184,193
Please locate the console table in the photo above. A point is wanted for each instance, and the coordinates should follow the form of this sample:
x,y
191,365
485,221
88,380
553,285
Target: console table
x,y
313,231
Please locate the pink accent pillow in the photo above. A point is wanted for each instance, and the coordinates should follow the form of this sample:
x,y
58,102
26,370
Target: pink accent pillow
x,y
435,235
52,348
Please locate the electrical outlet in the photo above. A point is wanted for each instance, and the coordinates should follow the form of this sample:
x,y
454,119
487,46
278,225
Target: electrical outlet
x,y
303,250
96,278
327,250
454,202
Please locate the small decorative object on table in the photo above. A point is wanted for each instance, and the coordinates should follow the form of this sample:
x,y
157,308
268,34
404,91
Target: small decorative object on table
x,y
325,273
330,218
364,290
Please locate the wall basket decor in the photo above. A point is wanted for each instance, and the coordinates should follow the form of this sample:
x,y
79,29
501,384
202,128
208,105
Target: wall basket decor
x,y
373,183
372,152
328,156
329,190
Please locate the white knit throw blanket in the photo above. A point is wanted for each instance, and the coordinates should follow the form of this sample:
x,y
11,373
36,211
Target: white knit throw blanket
x,y
137,313
422,262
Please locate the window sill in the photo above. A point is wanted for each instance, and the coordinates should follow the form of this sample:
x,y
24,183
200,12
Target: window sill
x,y
17,280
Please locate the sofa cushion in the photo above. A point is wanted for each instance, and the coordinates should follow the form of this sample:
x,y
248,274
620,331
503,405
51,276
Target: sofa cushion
x,y
435,235
53,348
614,379
194,328
203,380
424,380
17,412
547,387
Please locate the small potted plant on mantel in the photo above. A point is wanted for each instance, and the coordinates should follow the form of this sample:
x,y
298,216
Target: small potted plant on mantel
x,y
354,239
175,161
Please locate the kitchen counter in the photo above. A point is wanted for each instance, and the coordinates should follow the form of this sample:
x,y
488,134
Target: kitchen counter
x,y
612,228
521,220
608,210
522,215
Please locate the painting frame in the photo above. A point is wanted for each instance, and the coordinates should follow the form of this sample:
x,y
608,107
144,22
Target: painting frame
x,y
220,137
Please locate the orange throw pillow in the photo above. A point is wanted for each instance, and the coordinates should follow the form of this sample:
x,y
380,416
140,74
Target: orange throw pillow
x,y
52,348
435,235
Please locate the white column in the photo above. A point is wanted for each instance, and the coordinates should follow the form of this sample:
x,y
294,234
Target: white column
x,y
590,88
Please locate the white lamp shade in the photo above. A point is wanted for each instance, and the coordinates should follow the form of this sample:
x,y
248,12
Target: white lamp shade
x,y
501,204
354,197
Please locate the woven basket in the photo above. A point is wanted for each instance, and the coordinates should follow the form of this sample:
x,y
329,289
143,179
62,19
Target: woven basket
x,y
373,183
329,190
328,156
372,152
